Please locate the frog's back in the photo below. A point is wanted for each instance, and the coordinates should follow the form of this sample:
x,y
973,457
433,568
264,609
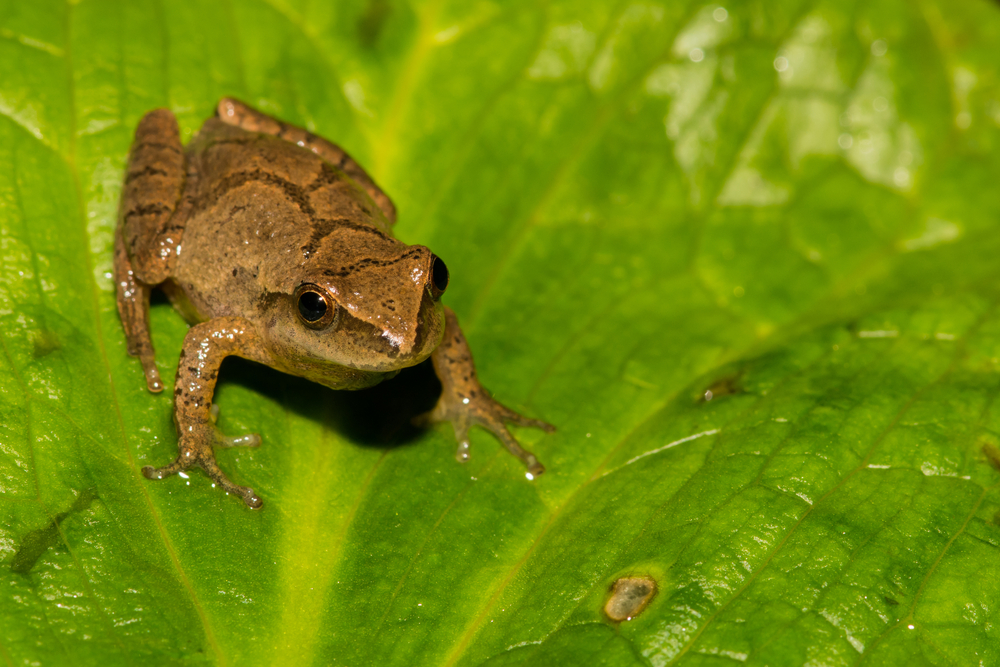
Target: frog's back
x,y
260,210
228,158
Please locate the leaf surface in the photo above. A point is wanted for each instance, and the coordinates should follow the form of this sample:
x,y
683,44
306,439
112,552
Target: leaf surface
x,y
743,256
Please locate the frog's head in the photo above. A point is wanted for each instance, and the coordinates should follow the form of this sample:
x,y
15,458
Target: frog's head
x,y
367,305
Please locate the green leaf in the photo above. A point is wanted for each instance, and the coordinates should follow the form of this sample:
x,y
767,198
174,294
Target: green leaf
x,y
786,207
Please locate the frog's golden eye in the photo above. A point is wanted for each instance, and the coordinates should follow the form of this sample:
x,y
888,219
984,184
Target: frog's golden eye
x,y
439,277
315,307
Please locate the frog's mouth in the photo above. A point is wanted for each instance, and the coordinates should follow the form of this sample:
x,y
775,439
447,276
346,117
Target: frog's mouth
x,y
391,348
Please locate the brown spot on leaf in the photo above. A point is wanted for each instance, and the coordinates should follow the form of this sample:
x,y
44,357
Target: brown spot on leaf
x,y
629,596
35,543
373,20
44,342
722,387
992,454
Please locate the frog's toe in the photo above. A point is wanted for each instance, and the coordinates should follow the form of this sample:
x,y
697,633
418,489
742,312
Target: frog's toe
x,y
248,440
153,382
149,472
215,473
461,426
509,415
186,457
531,462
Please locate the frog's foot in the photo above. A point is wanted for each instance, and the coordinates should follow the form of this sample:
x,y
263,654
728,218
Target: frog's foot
x,y
480,409
196,450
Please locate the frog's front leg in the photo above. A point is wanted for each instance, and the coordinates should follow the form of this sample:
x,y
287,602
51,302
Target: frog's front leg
x,y
205,346
465,403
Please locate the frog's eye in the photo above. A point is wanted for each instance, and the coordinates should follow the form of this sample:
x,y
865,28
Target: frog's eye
x,y
316,308
439,277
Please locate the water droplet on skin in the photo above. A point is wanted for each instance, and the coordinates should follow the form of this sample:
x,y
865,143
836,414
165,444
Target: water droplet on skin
x,y
629,596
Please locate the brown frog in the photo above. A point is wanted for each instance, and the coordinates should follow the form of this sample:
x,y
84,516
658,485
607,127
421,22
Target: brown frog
x,y
277,247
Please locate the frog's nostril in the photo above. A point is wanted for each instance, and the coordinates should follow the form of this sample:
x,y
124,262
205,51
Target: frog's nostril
x,y
439,276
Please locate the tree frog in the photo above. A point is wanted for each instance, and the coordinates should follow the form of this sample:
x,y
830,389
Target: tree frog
x,y
277,247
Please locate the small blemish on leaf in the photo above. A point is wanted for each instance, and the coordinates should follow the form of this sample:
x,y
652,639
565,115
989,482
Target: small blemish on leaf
x,y
629,596
992,454
45,342
36,542
373,20
889,601
722,387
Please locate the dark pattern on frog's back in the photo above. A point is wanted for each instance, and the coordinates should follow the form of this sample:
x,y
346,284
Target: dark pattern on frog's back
x,y
323,186
369,262
322,227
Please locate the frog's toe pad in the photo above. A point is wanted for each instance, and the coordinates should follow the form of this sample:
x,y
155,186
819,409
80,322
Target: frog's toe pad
x,y
252,500
149,472
248,440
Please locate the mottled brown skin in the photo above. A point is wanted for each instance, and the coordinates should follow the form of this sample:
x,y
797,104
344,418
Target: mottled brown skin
x,y
247,229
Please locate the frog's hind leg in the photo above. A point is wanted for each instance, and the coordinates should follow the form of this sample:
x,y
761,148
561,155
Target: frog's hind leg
x,y
150,225
147,235
234,112
133,307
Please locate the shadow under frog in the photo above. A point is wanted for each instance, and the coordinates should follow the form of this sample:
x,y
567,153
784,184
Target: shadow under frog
x,y
277,247
360,416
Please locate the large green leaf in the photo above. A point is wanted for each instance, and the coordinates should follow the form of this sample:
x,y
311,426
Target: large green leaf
x,y
792,205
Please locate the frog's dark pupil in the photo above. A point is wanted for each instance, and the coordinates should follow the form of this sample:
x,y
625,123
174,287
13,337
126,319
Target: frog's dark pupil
x,y
312,306
439,274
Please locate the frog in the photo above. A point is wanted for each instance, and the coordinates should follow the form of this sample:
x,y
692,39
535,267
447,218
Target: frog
x,y
276,246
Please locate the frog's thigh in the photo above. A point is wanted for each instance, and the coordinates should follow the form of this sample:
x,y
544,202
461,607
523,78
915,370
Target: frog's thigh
x,y
205,346
133,307
237,113
153,185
